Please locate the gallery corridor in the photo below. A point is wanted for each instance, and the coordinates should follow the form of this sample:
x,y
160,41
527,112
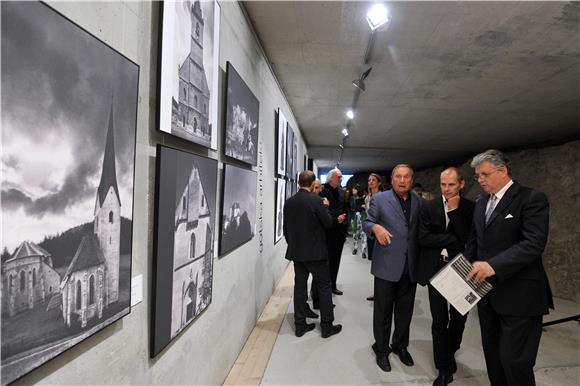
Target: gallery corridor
x,y
347,359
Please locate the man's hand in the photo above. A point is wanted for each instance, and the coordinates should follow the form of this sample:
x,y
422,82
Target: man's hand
x,y
453,202
341,218
382,235
481,270
325,201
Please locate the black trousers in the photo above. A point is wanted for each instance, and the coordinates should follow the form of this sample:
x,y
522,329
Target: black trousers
x,y
400,298
321,281
335,242
510,346
446,329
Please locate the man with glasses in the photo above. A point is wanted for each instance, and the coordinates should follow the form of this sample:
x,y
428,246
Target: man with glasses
x,y
393,219
510,230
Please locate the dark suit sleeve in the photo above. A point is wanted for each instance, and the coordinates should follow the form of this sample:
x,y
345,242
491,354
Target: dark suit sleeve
x,y
430,239
372,218
323,214
534,235
471,246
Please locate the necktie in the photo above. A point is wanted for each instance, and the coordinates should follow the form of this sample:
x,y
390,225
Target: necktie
x,y
490,208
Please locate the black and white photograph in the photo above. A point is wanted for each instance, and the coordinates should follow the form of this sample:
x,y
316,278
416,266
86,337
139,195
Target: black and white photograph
x,y
183,251
66,214
289,193
281,149
295,164
188,94
289,151
238,208
242,115
280,199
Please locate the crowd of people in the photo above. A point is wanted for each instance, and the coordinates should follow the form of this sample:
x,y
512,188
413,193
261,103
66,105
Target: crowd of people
x,y
409,235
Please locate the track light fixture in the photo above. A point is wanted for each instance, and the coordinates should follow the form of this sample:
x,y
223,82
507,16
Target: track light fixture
x,y
359,83
377,16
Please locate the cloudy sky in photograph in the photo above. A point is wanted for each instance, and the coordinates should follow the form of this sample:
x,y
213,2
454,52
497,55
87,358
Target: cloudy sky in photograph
x,y
58,87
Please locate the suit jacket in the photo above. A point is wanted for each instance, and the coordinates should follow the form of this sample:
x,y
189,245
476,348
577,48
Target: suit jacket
x,y
512,243
305,221
338,205
434,234
389,260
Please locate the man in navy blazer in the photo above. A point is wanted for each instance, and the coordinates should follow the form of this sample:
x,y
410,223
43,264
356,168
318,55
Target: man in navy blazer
x,y
393,219
510,230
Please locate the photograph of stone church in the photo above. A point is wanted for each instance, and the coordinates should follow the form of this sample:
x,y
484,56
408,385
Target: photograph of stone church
x,y
67,214
184,246
189,72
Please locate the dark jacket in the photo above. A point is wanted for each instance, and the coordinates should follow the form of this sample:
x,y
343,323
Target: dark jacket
x,y
434,234
512,243
305,221
338,205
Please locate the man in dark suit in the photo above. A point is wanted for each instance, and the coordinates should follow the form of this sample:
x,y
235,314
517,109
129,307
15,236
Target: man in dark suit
x,y
336,235
305,221
393,219
444,228
510,230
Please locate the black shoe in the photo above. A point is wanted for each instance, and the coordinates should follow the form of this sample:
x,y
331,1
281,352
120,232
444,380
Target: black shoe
x,y
327,332
354,251
404,356
453,366
304,329
336,291
371,298
309,313
383,362
443,379
364,256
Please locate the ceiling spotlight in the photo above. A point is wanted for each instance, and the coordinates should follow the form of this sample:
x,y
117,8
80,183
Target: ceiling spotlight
x,y
345,132
350,114
359,83
341,146
377,16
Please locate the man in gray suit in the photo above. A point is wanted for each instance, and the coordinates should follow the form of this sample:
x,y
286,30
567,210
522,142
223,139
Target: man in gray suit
x,y
393,219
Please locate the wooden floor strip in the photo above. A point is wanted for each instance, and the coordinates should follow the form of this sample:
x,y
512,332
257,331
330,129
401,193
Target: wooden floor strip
x,y
251,363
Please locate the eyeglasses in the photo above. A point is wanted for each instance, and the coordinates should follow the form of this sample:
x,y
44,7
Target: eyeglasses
x,y
483,176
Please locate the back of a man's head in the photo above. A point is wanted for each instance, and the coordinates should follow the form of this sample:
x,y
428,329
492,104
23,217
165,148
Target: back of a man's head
x,y
306,178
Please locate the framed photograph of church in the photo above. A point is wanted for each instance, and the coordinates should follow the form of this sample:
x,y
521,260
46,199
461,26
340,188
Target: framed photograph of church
x,y
280,199
188,77
238,216
242,116
185,210
289,151
66,213
281,148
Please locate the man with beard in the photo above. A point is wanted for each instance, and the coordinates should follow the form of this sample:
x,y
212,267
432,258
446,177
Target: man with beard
x,y
393,219
443,231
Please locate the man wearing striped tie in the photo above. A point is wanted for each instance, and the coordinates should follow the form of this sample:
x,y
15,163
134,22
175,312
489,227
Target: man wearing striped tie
x,y
509,234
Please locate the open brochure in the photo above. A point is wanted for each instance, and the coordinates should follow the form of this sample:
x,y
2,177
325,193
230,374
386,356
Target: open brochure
x,y
450,282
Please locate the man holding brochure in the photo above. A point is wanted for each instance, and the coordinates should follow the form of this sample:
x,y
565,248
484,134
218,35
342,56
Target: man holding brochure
x,y
510,229
443,231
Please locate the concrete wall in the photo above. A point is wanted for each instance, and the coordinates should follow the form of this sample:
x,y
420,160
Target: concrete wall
x,y
243,279
554,170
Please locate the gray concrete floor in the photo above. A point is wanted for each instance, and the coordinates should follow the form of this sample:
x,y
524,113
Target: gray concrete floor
x,y
347,358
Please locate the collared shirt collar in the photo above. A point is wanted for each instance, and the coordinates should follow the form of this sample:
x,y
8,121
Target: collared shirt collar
x,y
502,191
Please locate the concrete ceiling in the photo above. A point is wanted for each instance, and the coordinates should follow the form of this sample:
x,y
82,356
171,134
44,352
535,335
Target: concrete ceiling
x,y
448,78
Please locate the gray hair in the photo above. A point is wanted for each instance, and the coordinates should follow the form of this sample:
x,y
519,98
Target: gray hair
x,y
332,173
495,157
